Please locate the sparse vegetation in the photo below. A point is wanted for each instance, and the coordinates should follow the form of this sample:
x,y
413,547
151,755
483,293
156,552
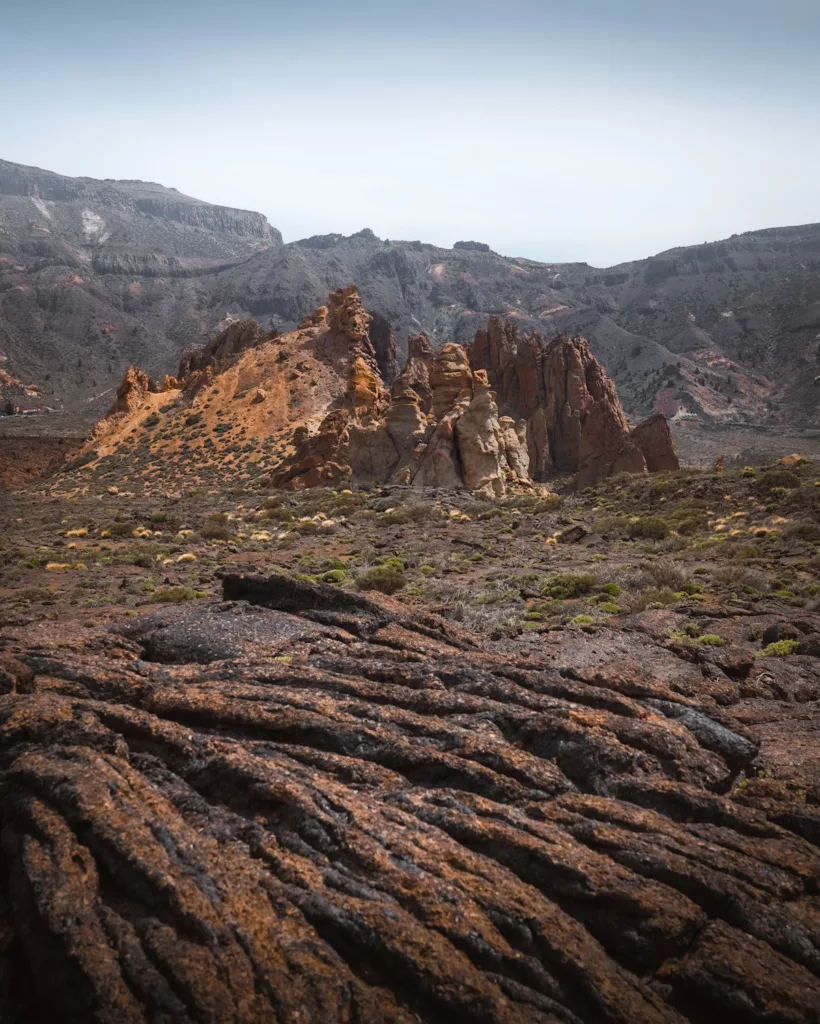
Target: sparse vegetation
x,y
176,595
387,577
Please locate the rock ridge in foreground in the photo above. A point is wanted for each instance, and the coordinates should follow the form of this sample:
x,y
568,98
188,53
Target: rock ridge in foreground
x,y
298,805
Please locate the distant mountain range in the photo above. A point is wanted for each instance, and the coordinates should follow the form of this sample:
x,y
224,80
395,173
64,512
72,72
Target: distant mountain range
x,y
95,275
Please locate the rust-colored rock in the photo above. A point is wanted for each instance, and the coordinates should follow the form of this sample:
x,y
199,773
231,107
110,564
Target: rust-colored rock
x,y
318,318
505,412
304,804
574,420
132,392
437,427
654,439
347,315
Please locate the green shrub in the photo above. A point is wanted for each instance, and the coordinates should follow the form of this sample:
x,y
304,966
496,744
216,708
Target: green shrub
x,y
649,528
656,597
175,595
610,607
215,531
612,589
689,525
773,479
565,585
333,576
711,640
387,577
779,649
802,531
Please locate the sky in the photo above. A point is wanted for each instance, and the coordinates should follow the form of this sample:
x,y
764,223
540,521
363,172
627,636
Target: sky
x,y
593,130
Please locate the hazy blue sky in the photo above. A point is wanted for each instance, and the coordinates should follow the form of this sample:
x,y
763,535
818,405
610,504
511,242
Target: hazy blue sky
x,y
598,130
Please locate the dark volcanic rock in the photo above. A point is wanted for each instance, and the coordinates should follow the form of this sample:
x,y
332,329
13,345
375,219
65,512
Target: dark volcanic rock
x,y
472,246
381,822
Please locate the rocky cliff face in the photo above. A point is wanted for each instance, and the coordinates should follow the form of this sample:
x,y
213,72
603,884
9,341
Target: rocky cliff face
x,y
224,349
574,421
96,275
438,426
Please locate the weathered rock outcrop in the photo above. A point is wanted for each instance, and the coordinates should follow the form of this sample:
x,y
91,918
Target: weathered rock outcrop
x,y
575,422
132,392
362,815
437,427
384,345
654,439
347,315
508,410
223,350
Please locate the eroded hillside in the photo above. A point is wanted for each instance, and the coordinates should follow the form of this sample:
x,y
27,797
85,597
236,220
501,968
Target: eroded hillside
x,y
313,407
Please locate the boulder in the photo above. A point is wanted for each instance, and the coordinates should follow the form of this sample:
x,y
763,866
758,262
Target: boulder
x,y
654,440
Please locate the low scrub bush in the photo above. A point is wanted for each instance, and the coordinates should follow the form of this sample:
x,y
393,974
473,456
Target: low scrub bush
x,y
565,585
176,595
649,528
779,649
777,478
387,577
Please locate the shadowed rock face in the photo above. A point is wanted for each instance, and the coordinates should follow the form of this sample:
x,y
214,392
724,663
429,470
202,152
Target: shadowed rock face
x,y
224,349
362,815
575,422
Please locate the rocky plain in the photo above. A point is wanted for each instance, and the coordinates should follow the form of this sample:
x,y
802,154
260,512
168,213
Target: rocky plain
x,y
342,686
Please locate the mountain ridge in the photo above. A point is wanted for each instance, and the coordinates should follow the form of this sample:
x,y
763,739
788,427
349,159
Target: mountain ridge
x,y
95,275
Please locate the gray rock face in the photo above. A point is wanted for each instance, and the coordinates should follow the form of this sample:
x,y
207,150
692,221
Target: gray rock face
x,y
95,275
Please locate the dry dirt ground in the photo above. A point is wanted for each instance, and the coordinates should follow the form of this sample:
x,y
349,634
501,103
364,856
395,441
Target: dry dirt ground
x,y
569,770
681,573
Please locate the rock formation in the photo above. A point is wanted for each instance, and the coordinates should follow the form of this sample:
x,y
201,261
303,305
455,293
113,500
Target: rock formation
x,y
304,804
654,439
575,422
506,411
132,392
224,349
437,427
384,345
